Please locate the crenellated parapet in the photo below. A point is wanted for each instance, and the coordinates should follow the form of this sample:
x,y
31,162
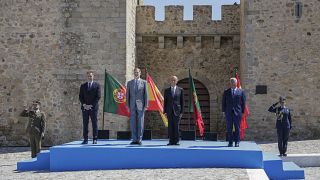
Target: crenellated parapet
x,y
201,27
202,23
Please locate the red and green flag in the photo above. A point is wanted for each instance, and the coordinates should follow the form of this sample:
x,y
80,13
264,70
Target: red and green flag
x,y
194,105
114,96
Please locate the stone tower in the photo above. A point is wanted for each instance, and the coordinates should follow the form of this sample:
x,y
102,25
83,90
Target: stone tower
x,y
280,54
46,47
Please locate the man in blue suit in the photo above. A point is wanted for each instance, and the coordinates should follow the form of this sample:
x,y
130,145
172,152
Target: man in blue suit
x,y
89,96
233,105
137,103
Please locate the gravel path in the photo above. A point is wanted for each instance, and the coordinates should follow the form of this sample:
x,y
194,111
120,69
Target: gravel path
x,y
9,156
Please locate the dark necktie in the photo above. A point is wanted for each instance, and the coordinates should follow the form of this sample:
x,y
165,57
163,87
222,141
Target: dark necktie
x,y
136,85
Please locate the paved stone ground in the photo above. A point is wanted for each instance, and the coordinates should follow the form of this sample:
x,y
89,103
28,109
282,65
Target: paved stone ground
x,y
9,156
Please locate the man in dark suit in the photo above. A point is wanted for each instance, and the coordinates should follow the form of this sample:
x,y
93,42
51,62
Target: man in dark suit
x,y
233,105
173,109
137,103
89,96
283,124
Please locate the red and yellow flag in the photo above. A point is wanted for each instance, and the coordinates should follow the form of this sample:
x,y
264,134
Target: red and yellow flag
x,y
243,122
155,99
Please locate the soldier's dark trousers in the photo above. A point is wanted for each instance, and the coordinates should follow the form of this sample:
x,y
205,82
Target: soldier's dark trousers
x,y
283,137
35,144
93,116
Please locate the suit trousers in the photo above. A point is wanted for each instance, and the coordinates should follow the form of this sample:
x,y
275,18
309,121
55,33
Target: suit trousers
x,y
93,116
283,137
35,144
233,120
136,125
173,128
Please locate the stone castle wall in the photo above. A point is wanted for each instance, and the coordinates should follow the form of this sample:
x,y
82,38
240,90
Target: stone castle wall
x,y
170,47
46,47
280,50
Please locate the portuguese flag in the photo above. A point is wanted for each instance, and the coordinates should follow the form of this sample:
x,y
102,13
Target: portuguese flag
x,y
194,105
114,96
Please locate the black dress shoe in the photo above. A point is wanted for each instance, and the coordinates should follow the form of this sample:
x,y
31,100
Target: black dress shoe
x,y
176,144
139,143
169,144
284,154
85,141
133,143
94,141
230,145
236,145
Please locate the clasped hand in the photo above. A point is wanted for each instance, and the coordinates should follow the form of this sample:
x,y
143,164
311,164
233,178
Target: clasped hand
x,y
87,107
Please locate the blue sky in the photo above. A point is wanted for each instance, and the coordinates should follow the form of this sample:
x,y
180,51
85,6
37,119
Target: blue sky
x,y
216,6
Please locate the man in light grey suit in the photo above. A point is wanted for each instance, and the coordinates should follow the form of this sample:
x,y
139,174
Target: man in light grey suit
x,y
137,103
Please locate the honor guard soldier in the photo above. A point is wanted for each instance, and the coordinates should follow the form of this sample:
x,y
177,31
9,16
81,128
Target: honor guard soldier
x,y
36,126
283,124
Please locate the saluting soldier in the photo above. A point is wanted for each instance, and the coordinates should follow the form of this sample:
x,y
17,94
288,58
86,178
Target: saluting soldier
x,y
36,126
283,124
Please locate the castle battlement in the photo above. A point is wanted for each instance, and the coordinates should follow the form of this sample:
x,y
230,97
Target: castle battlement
x,y
202,23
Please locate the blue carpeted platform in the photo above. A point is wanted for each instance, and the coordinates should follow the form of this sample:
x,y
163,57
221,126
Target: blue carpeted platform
x,y
153,154
117,154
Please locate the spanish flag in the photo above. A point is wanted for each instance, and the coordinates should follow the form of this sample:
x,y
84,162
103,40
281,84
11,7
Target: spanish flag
x,y
155,99
243,122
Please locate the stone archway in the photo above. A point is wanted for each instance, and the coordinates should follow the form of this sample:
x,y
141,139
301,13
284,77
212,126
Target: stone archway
x,y
187,121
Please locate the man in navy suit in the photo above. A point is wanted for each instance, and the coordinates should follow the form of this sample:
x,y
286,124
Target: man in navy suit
x,y
173,109
89,96
233,105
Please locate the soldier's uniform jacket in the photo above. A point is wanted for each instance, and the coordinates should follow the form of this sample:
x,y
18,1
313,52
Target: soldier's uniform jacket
x,y
37,122
283,116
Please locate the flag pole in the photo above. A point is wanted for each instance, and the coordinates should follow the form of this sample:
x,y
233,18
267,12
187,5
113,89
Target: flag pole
x,y
104,98
189,102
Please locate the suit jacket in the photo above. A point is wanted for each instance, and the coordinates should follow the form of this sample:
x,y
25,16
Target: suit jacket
x,y
175,102
90,96
137,97
233,104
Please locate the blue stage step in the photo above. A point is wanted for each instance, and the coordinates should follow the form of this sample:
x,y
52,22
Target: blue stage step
x,y
41,162
275,168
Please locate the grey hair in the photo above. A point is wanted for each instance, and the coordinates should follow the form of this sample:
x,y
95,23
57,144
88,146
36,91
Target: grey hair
x,y
233,80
